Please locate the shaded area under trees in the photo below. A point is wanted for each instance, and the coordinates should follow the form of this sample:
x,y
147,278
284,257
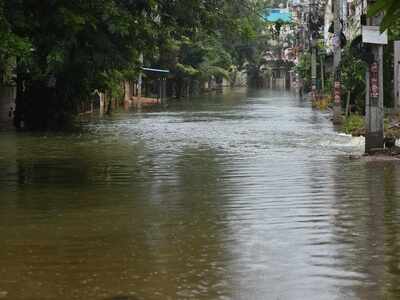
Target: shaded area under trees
x,y
57,52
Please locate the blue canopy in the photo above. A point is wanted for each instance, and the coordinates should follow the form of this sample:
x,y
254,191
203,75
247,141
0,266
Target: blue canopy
x,y
276,14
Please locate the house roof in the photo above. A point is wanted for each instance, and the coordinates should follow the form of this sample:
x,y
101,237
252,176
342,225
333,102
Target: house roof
x,y
276,14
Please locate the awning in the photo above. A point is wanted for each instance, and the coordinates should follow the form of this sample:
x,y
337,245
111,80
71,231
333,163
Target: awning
x,y
156,70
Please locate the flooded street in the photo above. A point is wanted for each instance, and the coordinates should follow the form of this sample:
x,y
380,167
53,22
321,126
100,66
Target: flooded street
x,y
246,195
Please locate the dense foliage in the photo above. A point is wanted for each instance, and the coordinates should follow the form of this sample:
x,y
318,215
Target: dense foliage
x,y
391,8
59,51
303,69
353,70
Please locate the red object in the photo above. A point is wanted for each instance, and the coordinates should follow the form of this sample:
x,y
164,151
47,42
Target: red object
x,y
374,80
314,92
337,93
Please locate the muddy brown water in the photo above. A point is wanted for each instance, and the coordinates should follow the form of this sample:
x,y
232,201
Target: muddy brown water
x,y
246,195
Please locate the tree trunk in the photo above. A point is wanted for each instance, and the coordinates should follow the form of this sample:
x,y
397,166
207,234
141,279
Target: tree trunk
x,y
19,99
348,103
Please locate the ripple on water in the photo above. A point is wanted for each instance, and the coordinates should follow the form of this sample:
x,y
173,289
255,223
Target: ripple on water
x,y
232,197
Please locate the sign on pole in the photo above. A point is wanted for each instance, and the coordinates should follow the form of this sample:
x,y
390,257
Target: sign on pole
x,y
373,35
337,96
374,82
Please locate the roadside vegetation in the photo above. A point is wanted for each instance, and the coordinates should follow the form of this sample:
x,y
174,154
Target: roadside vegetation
x,y
353,69
58,52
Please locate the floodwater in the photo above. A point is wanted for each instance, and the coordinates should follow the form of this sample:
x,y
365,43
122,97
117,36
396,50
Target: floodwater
x,y
246,195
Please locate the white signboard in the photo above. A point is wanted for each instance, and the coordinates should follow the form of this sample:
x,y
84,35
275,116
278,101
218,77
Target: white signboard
x,y
372,35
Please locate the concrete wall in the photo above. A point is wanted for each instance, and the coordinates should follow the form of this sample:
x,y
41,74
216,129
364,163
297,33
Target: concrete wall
x,y
7,100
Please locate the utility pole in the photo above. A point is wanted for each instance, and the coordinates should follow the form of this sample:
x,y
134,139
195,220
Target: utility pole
x,y
313,40
374,100
140,77
321,57
337,111
397,75
314,71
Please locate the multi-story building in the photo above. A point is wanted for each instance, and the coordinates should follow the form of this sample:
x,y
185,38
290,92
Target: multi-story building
x,y
354,10
350,14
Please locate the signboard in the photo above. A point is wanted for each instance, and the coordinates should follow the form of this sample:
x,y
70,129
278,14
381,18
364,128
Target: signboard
x,y
372,35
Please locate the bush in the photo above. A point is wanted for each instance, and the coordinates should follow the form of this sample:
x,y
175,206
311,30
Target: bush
x,y
304,70
353,71
323,103
354,125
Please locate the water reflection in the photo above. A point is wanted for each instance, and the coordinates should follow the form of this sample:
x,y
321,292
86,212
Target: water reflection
x,y
233,196
107,223
366,229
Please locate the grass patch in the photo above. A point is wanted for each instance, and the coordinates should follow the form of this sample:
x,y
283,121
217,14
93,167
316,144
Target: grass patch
x,y
323,103
392,133
354,125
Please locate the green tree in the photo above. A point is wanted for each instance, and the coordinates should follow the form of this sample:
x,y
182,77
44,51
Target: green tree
x,y
391,8
62,50
353,71
75,48
11,46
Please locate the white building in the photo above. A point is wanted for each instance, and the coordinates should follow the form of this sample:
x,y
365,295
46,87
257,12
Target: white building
x,y
351,13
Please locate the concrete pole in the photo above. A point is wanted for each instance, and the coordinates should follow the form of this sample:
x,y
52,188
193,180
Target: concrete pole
x,y
374,102
322,73
314,71
313,46
140,77
397,75
337,110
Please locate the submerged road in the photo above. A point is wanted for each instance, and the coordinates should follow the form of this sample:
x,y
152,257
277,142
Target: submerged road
x,y
247,195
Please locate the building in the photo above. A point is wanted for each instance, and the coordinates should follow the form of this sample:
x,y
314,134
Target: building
x,y
281,56
351,14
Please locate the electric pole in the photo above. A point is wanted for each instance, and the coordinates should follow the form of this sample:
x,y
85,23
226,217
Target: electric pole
x,y
314,70
140,77
374,99
337,44
313,43
321,59
397,75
